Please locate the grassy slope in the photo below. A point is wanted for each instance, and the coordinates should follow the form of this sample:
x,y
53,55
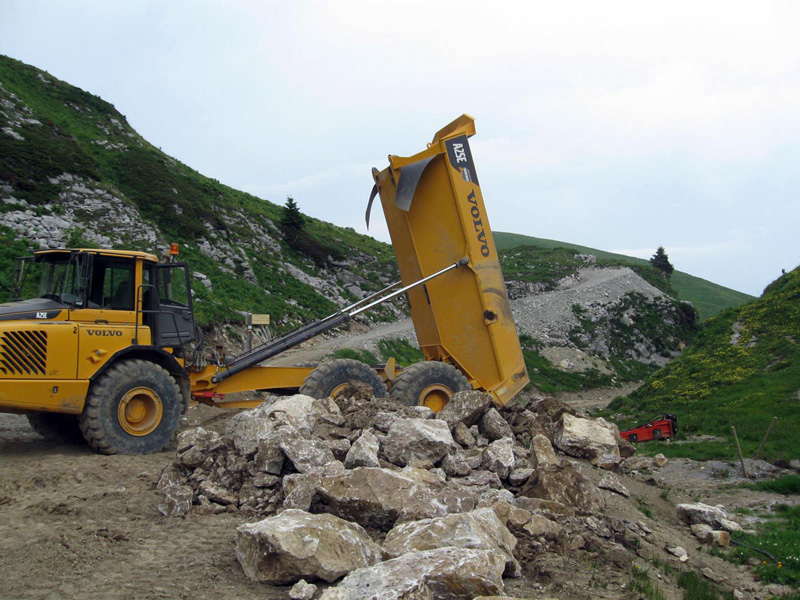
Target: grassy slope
x,y
709,298
162,188
724,381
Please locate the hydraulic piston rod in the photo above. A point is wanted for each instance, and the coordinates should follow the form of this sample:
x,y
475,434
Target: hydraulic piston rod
x,y
306,332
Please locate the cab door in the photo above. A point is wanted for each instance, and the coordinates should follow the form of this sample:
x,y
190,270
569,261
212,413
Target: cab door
x,y
174,320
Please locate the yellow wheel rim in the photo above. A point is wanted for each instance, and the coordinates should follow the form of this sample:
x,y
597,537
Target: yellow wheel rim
x,y
140,411
435,397
338,389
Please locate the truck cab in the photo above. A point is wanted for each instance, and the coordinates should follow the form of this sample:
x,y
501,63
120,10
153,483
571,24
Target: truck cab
x,y
79,311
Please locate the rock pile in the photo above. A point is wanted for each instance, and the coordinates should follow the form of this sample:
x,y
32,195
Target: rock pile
x,y
356,487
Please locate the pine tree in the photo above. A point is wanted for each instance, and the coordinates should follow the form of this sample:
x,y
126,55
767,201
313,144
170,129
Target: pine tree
x,y
292,221
660,261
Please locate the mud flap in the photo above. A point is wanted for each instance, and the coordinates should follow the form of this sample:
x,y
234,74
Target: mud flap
x,y
409,178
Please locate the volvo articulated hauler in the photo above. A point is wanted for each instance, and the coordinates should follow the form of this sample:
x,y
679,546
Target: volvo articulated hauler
x,y
106,347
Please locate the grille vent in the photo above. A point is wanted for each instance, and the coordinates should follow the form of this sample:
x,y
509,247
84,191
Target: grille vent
x,y
23,352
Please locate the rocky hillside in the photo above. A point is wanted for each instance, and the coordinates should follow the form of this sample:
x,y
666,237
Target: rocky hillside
x,y
74,173
743,370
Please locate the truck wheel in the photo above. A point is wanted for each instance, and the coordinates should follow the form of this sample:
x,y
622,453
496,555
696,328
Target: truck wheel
x,y
329,379
429,383
56,427
133,408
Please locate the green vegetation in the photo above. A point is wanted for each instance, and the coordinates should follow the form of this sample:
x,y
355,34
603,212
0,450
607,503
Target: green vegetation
x,y
660,261
742,370
708,298
786,485
780,537
364,356
9,250
551,379
642,584
696,588
401,350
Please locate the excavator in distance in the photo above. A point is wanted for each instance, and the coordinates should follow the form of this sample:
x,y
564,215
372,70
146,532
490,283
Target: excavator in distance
x,y
106,348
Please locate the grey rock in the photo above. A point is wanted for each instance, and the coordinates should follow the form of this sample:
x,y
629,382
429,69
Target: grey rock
x,y
565,485
465,407
441,574
494,427
217,493
542,451
375,497
715,516
585,438
455,464
363,452
302,590
305,453
298,545
498,457
480,529
541,526
417,441
462,435
518,476
612,483
176,500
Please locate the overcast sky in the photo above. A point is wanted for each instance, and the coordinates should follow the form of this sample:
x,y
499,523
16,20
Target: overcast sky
x,y
617,125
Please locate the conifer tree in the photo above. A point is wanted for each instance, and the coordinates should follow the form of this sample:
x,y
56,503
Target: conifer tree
x,y
292,221
660,261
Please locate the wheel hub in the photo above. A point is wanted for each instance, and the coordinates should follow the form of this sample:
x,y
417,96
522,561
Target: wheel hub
x,y
435,397
140,411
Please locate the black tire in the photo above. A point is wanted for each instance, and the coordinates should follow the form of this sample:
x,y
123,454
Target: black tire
x,y
133,408
57,427
330,378
429,383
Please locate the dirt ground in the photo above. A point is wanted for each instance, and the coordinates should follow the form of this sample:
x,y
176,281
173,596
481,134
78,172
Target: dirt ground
x,y
77,525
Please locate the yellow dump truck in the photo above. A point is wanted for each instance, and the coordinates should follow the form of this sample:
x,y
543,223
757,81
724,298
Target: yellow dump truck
x,y
105,347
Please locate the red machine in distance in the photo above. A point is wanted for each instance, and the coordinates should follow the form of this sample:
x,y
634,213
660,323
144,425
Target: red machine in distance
x,y
661,427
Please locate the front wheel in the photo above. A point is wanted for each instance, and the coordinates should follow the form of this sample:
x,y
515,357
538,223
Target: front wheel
x,y
429,383
133,408
330,379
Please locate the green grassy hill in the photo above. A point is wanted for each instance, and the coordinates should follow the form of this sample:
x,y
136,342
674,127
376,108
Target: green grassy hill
x,y
708,298
62,148
743,370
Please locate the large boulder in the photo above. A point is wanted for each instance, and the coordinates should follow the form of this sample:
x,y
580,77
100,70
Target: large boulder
x,y
565,485
418,442
585,438
465,407
301,412
480,529
441,574
376,497
297,545
715,516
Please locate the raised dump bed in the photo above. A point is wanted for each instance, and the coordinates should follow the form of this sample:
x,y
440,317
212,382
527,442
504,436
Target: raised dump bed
x,y
434,209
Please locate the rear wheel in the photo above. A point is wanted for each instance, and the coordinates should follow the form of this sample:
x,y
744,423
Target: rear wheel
x,y
429,383
133,408
56,427
330,379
